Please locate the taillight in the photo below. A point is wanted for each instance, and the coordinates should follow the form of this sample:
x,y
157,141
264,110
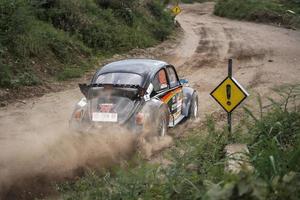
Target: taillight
x,y
78,114
139,118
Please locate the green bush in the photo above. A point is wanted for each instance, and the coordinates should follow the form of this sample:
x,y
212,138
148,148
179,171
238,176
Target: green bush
x,y
70,72
164,23
193,1
52,35
276,137
21,79
5,75
109,26
269,11
25,79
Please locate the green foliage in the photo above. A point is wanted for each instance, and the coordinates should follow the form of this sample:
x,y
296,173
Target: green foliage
x,y
5,75
163,25
193,1
55,36
197,163
269,11
109,27
276,136
70,72
25,78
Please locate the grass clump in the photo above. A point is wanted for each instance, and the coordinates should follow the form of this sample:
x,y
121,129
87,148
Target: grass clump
x,y
276,136
197,163
281,12
195,1
52,38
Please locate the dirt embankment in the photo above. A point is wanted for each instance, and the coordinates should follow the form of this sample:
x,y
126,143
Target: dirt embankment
x,y
36,145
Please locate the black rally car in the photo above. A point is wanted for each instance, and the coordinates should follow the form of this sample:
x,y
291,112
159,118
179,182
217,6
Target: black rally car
x,y
140,94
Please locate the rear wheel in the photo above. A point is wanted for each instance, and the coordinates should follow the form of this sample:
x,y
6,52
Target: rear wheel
x,y
158,127
194,109
162,126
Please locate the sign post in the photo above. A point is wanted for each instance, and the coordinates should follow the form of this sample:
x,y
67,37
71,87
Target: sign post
x,y
229,94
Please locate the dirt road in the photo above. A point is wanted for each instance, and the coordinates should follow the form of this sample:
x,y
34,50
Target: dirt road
x,y
34,136
264,56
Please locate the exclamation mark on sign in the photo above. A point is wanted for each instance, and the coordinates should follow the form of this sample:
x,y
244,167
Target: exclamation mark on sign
x,y
228,94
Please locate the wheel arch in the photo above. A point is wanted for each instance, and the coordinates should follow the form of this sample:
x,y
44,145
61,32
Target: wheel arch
x,y
187,98
153,106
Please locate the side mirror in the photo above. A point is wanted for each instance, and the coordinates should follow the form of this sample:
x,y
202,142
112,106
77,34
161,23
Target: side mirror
x,y
84,88
183,81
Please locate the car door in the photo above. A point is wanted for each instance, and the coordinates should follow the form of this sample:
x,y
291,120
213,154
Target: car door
x,y
175,103
168,89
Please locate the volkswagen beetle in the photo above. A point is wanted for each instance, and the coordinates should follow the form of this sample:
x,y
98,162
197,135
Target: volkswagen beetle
x,y
138,94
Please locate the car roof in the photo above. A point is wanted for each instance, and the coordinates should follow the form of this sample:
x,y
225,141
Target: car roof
x,y
138,66
144,67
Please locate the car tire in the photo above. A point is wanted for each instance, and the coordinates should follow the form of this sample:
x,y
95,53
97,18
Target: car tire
x,y
162,124
194,108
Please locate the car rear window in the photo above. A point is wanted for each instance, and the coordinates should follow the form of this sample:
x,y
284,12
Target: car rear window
x,y
120,78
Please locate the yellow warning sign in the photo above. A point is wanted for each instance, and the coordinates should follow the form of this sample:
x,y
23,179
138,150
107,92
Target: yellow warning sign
x,y
229,94
176,10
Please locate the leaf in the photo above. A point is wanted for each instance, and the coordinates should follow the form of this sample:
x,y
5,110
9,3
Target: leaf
x,y
273,163
260,105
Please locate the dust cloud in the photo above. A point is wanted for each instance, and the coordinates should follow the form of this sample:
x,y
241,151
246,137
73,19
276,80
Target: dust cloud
x,y
149,148
58,154
37,148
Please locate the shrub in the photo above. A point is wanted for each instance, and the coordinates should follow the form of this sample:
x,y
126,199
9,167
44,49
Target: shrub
x,y
70,72
5,75
163,27
276,143
25,79
269,11
51,35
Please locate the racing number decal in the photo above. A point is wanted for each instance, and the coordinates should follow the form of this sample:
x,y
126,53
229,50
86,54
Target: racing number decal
x,y
174,100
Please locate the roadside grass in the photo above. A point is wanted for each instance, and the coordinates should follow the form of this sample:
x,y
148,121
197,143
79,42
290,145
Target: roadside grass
x,y
71,72
197,162
44,39
280,12
195,1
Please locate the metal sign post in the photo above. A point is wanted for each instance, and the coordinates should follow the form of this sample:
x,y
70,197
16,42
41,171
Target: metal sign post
x,y
229,94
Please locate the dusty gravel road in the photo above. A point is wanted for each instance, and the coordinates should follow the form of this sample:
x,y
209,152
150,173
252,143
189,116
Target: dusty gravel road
x,y
34,137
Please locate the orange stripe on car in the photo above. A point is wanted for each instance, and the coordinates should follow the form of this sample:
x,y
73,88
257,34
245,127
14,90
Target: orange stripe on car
x,y
169,95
